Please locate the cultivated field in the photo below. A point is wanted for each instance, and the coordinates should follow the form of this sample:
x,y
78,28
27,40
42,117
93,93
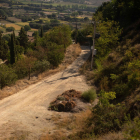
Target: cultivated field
x,y
64,22
4,5
29,33
14,19
2,29
16,33
19,11
4,22
22,23
49,10
58,3
34,29
69,3
49,13
17,27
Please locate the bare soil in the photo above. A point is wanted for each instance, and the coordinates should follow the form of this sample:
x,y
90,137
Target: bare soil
x,y
25,115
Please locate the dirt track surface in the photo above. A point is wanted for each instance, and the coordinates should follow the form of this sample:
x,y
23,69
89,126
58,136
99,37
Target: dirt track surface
x,y
26,115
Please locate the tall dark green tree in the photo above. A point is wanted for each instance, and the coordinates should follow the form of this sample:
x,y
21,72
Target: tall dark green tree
x,y
23,38
14,35
41,35
0,38
3,48
12,50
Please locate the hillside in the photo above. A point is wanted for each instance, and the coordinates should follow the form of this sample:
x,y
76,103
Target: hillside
x,y
93,2
114,78
115,75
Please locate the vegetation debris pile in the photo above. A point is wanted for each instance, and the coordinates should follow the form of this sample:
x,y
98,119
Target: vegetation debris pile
x,y
66,101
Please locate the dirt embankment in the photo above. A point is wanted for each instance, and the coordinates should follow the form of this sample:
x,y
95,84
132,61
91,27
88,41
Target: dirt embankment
x,y
72,52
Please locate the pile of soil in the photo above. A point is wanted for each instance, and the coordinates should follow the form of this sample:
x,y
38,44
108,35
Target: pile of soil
x,y
65,101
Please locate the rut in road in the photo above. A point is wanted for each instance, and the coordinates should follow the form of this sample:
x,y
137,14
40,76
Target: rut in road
x,y
26,112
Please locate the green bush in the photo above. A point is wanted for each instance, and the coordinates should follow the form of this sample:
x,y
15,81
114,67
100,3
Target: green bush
x,y
132,129
27,28
6,37
42,65
55,54
89,95
7,76
24,66
10,29
106,116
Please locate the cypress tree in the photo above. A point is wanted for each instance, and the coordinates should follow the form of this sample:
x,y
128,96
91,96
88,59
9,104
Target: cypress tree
x,y
14,35
0,38
23,38
41,32
12,50
3,48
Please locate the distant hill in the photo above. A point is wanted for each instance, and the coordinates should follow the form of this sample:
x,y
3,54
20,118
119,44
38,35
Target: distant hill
x,y
92,2
97,2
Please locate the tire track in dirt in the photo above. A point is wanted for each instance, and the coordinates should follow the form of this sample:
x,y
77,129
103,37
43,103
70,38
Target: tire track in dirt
x,y
27,110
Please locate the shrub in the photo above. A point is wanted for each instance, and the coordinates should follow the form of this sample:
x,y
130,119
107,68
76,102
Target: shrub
x,y
25,66
42,65
107,117
9,29
27,28
89,95
7,76
132,129
55,54
6,37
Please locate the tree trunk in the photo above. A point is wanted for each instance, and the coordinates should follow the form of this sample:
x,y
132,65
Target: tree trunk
x,y
64,48
29,73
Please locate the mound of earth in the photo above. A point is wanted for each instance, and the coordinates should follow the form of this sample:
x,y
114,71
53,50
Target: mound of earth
x,y
66,101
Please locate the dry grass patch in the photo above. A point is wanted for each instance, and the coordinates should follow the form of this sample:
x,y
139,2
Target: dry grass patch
x,y
75,122
49,13
59,135
24,83
34,29
72,53
66,125
86,71
30,33
112,136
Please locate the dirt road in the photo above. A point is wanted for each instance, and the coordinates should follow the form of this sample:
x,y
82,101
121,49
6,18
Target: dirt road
x,y
26,115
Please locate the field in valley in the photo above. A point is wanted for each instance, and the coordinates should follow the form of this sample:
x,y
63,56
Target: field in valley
x,y
14,19
2,29
56,3
17,27
22,23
